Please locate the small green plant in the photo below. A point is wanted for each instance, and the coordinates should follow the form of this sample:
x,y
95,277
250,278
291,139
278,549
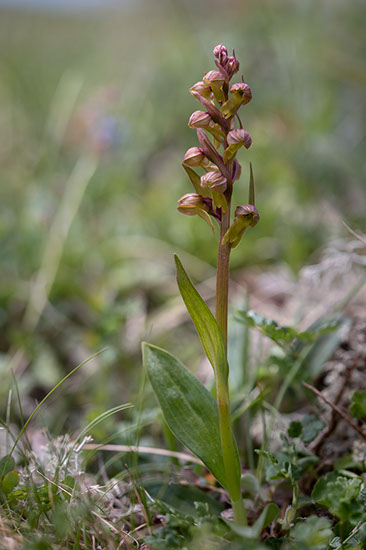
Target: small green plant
x,y
191,412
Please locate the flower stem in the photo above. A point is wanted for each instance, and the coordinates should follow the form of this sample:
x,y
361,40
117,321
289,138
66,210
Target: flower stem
x,y
222,277
222,389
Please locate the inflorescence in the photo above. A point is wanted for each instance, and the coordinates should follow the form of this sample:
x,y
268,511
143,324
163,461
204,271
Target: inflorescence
x,y
214,188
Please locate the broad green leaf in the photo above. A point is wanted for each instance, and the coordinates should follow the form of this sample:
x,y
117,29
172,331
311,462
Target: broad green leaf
x,y
312,425
315,532
268,515
9,482
294,429
188,407
205,323
307,429
341,495
7,464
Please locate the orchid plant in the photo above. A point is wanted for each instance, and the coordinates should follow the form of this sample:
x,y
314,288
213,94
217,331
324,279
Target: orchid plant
x,y
200,422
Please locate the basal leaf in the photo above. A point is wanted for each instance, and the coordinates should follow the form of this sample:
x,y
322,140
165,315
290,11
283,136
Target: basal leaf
x,y
294,429
268,515
10,481
205,323
315,532
312,425
7,464
358,404
188,407
341,495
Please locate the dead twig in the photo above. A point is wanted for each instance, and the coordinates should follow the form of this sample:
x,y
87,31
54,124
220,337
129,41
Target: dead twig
x,y
148,450
337,409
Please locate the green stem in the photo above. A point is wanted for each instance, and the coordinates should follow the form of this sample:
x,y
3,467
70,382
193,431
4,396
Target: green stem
x,y
222,277
222,389
229,451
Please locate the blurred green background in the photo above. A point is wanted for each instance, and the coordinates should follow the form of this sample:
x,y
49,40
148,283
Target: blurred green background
x,y
94,106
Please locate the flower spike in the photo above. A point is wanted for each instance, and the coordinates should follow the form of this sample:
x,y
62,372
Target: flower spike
x,y
221,102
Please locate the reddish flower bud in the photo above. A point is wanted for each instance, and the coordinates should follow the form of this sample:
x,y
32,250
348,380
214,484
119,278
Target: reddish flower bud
x,y
215,181
216,81
216,185
243,90
199,119
213,78
194,156
193,204
190,202
202,89
241,95
249,212
239,137
245,216
232,66
228,66
236,139
220,51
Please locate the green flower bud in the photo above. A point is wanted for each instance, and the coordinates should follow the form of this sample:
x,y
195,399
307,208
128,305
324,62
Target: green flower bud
x,y
243,91
193,204
216,184
249,213
199,119
202,89
241,95
216,81
239,137
245,216
236,139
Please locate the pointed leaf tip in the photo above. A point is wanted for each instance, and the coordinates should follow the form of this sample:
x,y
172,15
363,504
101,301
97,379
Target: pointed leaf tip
x,y
205,323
